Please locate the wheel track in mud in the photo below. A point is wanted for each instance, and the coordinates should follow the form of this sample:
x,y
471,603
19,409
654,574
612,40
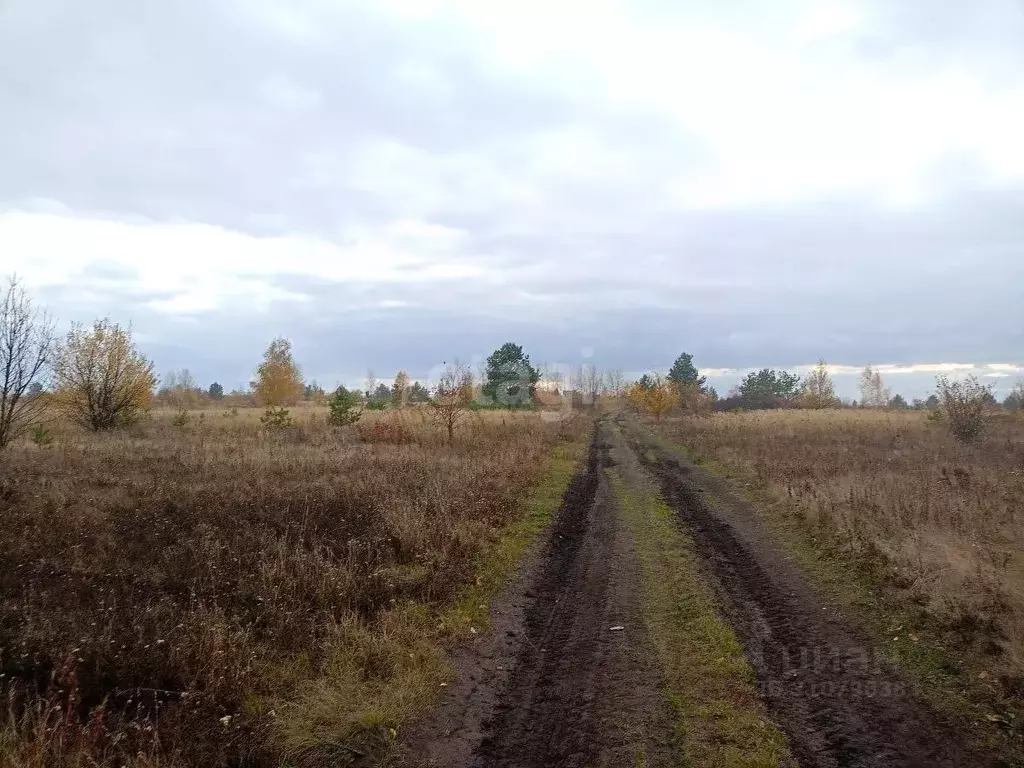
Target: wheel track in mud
x,y
839,703
581,695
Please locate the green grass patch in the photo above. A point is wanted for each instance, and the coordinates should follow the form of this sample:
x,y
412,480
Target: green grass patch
x,y
706,677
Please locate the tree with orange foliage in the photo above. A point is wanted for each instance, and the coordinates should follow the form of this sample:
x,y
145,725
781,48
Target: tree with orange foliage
x,y
101,380
653,394
278,380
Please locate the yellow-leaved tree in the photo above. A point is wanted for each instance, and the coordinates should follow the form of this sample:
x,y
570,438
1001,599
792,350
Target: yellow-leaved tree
x,y
653,394
278,380
818,391
102,381
400,391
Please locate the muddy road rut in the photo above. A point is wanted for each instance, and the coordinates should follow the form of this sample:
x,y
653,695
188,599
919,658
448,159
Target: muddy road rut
x,y
567,677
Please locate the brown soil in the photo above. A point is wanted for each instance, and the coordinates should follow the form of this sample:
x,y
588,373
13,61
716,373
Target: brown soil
x,y
553,686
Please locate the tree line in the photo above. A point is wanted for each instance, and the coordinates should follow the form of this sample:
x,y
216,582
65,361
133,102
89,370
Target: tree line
x,y
95,376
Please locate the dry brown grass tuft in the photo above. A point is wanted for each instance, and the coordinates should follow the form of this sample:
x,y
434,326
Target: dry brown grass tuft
x,y
215,593
944,520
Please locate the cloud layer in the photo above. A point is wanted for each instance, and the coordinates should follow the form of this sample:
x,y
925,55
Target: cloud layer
x,y
396,183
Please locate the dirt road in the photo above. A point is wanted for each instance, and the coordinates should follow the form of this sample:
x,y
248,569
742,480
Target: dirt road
x,y
568,677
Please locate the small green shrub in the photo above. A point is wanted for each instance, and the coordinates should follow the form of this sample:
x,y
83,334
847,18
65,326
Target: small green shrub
x,y
41,435
276,418
181,418
345,408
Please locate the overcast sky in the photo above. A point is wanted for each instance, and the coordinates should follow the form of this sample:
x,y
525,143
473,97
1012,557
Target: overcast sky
x,y
394,183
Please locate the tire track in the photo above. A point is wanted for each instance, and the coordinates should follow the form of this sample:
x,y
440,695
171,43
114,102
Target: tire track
x,y
582,695
838,701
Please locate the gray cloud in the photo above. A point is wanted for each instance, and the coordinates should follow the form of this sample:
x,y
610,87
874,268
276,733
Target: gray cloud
x,y
335,120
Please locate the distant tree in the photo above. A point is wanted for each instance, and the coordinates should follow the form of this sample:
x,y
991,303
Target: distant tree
x,y
345,407
1015,400
371,384
510,379
216,391
379,398
400,390
102,380
917,404
586,381
932,402
769,389
278,380
614,383
873,393
451,397
179,389
683,372
315,393
551,378
656,397
418,393
818,390
898,403
27,345
646,381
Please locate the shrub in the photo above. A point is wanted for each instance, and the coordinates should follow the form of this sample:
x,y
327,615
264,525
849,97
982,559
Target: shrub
x,y
181,418
41,435
964,406
102,380
276,418
344,407
386,431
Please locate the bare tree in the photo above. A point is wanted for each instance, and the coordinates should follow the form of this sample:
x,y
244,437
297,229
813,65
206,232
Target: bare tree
x,y
590,384
586,383
551,378
27,342
614,383
873,393
452,396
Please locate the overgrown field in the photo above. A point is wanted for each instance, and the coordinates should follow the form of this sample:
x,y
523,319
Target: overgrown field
x,y
943,522
216,593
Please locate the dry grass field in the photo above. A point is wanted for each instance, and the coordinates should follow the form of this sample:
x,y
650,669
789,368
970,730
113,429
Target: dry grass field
x,y
943,521
215,593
